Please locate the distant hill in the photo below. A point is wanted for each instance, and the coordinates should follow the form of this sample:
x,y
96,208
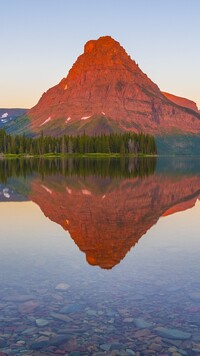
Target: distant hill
x,y
178,145
8,115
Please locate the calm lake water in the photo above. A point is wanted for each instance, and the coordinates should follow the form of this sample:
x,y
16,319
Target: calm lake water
x,y
100,257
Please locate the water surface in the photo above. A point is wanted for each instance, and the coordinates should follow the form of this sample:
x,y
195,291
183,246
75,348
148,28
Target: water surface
x,y
100,257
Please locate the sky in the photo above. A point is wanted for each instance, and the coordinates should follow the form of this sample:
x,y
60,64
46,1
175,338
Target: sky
x,y
41,39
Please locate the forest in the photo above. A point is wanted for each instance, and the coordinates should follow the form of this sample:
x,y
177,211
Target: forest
x,y
125,143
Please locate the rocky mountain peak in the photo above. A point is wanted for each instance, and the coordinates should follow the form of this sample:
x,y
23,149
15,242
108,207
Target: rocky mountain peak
x,y
105,45
102,54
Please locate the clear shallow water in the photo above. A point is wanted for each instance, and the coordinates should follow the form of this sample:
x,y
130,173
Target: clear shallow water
x,y
99,265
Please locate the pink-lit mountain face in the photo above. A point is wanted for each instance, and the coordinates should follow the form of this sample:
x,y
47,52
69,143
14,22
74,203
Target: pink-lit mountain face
x,y
186,103
106,91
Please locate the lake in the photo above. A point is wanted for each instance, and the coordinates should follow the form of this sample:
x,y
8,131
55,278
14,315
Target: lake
x,y
100,257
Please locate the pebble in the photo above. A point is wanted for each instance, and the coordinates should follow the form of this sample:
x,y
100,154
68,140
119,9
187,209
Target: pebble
x,y
59,340
172,349
18,298
41,322
37,345
174,342
28,307
29,331
61,317
128,320
20,342
182,352
117,346
141,333
62,287
142,324
91,312
155,347
71,309
130,352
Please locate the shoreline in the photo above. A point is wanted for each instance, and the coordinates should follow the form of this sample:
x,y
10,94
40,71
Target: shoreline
x,y
75,155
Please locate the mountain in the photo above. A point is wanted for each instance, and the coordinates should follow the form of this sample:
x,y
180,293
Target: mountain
x,y
8,115
106,91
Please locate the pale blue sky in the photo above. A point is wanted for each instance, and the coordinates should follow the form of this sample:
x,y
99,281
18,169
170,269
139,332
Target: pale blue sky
x,y
41,39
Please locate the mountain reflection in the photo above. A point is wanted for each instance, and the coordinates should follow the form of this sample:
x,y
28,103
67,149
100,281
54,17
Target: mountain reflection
x,y
106,206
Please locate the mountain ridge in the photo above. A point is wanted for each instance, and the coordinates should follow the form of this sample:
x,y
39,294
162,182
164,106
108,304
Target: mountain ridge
x,y
186,103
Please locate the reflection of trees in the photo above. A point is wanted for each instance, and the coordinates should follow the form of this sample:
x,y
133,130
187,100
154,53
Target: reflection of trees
x,y
124,167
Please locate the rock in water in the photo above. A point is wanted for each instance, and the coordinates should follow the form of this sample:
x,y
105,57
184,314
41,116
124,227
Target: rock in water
x,y
62,286
172,333
72,308
41,322
142,324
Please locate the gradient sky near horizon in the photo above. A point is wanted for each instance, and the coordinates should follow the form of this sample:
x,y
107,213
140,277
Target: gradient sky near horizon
x,y
41,39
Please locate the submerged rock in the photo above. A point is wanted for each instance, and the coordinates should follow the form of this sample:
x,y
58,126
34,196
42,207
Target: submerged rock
x,y
37,345
28,307
105,347
41,322
59,340
142,324
91,312
117,346
72,308
61,317
62,286
128,320
130,352
172,333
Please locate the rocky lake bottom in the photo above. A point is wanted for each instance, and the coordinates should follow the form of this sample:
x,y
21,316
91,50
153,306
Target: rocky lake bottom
x,y
85,318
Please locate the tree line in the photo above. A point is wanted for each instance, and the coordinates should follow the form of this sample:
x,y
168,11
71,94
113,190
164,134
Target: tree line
x,y
125,143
